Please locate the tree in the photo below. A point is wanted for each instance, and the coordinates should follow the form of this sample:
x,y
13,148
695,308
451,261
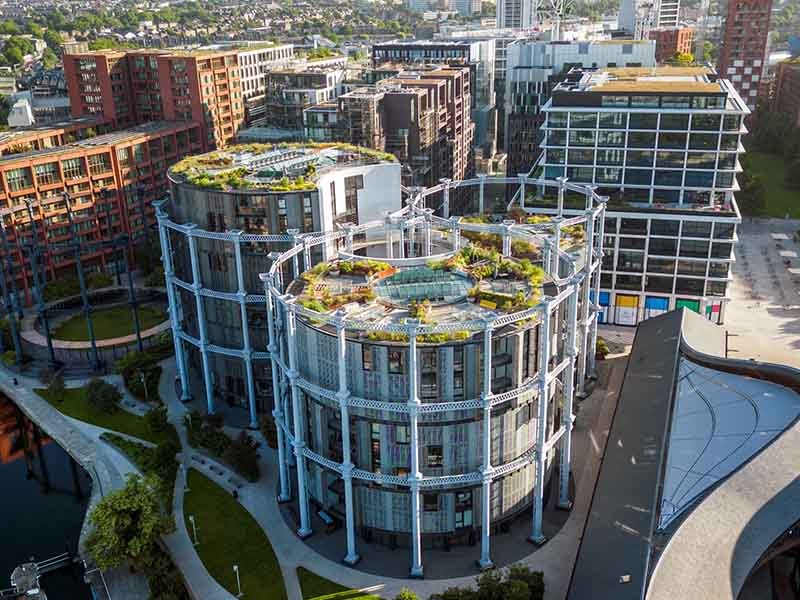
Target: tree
x,y
269,431
242,456
127,525
156,419
53,40
9,27
102,396
683,58
49,58
793,174
33,28
406,594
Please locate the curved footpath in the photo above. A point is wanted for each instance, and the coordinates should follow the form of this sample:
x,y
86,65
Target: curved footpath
x,y
105,473
555,559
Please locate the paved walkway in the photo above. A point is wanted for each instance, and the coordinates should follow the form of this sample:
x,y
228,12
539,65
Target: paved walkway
x,y
555,559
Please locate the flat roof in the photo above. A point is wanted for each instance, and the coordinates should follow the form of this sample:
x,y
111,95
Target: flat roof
x,y
617,538
644,79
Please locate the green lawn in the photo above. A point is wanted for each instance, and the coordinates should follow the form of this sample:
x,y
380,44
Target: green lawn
x,y
315,587
771,168
108,323
75,405
229,536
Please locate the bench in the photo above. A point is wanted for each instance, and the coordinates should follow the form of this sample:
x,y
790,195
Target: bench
x,y
329,521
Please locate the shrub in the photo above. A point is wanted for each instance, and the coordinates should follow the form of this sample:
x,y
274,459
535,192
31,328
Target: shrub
x,y
56,388
102,396
155,278
269,431
96,280
406,594
601,349
202,435
135,364
242,455
156,419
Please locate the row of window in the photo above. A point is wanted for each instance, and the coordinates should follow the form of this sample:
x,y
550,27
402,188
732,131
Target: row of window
x,y
696,229
649,121
663,285
646,140
669,246
669,159
644,177
635,262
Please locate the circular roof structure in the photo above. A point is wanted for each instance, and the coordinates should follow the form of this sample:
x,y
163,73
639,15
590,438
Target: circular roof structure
x,y
423,283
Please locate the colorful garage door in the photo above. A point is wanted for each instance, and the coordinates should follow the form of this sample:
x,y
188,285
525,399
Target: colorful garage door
x,y
690,304
654,306
714,312
605,300
626,308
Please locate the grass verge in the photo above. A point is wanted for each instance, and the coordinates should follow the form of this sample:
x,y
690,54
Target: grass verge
x,y
314,587
771,168
228,536
116,321
75,405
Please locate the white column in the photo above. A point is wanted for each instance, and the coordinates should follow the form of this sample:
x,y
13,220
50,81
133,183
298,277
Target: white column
x,y
482,177
307,253
348,239
587,286
507,225
445,198
485,561
197,286
295,260
568,390
415,476
562,188
299,430
401,251
280,334
247,350
601,222
556,246
522,178
428,233
174,312
537,535
347,463
456,233
277,410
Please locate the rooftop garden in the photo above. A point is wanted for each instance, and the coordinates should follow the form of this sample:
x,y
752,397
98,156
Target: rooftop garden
x,y
217,170
318,297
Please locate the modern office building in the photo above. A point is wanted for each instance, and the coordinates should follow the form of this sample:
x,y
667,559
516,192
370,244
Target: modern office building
x,y
787,90
137,86
671,41
533,68
663,145
108,178
423,401
479,55
516,14
226,213
743,56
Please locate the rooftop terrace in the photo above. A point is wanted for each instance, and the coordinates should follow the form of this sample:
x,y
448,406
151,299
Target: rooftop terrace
x,y
276,168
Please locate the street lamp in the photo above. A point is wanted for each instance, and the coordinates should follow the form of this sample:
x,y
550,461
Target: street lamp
x,y
143,379
194,530
238,582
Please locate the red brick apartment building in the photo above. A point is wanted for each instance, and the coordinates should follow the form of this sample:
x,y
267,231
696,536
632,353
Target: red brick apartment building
x,y
103,176
132,87
742,57
787,90
671,41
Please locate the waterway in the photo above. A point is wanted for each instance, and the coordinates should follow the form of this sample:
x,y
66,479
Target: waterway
x,y
43,499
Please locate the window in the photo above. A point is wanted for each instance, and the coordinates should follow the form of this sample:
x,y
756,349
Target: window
x,y
375,446
633,226
724,231
463,509
610,157
675,101
430,502
581,138
706,122
640,139
663,246
674,122
19,179
395,361
729,142
615,120
614,139
556,137
583,120
693,287
703,141
433,457
618,101
726,161
660,265
673,160
47,174
700,160
669,178
698,229
721,250
630,261
611,175
731,123
555,156
557,119
694,248
367,359
658,284
629,282
401,434
662,227
692,267
580,157
672,140
99,163
638,176
716,288
640,158
644,120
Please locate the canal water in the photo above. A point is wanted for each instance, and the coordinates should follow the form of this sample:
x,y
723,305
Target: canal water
x,y
43,499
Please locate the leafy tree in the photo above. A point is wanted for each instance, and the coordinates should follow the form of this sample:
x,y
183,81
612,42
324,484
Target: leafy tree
x,y
53,40
128,524
102,396
49,58
683,58
33,28
406,594
9,27
241,454
269,431
793,173
156,419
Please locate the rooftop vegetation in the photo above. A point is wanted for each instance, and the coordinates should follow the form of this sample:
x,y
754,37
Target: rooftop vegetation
x,y
321,299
